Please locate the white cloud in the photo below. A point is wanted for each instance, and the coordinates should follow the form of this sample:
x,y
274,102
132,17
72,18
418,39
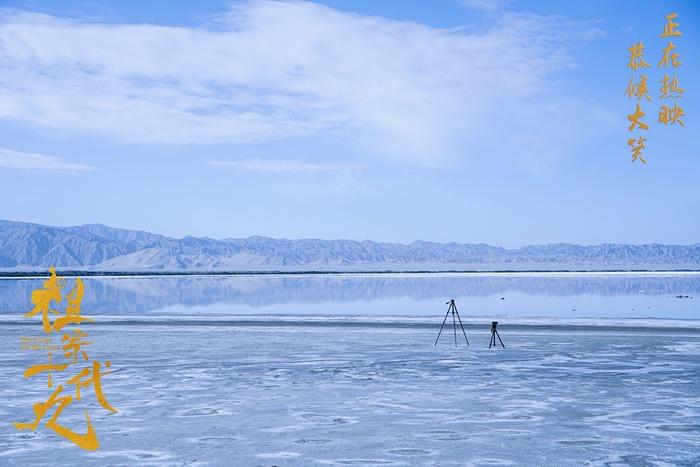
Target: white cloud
x,y
10,159
489,6
278,69
285,166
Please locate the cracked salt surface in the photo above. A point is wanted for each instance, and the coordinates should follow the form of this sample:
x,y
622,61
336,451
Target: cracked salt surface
x,y
281,395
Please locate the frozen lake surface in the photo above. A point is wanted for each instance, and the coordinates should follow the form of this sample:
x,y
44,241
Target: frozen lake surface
x,y
598,370
338,395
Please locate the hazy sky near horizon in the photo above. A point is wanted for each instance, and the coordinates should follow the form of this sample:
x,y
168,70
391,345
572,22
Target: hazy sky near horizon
x,y
496,121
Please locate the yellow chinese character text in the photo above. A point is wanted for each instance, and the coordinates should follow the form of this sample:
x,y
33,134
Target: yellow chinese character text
x,y
94,380
74,345
670,26
636,59
42,298
638,90
45,367
670,87
670,115
635,119
72,316
74,342
673,57
87,441
637,145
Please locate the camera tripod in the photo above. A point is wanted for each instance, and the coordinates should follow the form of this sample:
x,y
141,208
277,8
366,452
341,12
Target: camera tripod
x,y
452,308
494,334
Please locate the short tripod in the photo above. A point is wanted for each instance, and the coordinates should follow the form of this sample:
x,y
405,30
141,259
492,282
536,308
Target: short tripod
x,y
494,334
452,308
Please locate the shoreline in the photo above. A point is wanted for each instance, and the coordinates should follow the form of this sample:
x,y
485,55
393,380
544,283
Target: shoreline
x,y
646,325
417,273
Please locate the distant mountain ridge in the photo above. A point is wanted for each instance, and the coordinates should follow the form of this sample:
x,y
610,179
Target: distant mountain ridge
x,y
99,247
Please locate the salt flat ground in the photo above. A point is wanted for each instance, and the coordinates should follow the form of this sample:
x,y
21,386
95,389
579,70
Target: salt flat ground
x,y
308,395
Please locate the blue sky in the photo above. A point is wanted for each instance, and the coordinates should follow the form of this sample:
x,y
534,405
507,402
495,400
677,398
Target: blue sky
x,y
501,122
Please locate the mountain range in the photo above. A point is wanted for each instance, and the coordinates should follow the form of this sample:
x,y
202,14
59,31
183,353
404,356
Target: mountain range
x,y
26,246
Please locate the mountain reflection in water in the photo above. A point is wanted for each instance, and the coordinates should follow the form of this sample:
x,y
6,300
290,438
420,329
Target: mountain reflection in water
x,y
523,295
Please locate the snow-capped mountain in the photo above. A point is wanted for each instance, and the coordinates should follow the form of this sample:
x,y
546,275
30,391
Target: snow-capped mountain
x,y
95,246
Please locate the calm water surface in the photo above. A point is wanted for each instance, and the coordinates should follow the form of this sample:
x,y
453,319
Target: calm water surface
x,y
493,295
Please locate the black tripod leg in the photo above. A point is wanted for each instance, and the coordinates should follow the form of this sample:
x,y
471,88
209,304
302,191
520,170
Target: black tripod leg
x,y
462,326
454,326
499,338
491,340
443,325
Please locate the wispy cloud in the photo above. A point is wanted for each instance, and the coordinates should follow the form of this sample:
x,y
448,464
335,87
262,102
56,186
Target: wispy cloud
x,y
278,69
10,159
285,166
489,6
